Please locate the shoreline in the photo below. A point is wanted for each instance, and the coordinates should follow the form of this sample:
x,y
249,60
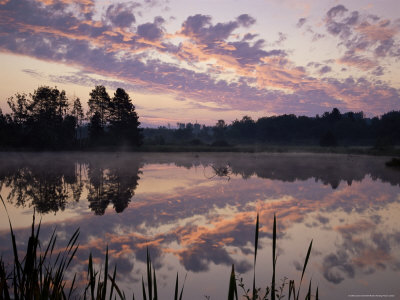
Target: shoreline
x,y
356,150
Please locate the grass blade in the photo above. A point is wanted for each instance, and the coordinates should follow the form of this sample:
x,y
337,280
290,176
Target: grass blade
x,y
155,284
255,258
232,292
273,259
113,280
143,290
92,279
71,288
114,285
304,267
176,287
308,296
149,279
181,294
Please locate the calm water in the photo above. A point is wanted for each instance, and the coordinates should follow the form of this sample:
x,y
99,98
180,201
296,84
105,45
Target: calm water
x,y
196,213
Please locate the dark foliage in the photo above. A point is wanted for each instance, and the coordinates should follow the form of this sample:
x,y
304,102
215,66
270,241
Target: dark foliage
x,y
46,120
329,130
394,163
328,140
50,183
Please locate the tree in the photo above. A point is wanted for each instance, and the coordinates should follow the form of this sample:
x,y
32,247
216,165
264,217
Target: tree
x,y
99,102
121,106
77,112
19,107
244,129
48,103
219,130
45,111
96,131
124,121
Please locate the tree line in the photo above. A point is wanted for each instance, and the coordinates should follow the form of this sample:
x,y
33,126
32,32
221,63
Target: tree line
x,y
47,119
330,129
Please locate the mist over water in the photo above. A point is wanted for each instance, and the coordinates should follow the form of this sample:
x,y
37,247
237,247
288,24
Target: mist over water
x,y
196,213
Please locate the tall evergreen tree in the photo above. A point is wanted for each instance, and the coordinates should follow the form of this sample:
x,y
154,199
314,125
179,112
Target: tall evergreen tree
x,y
77,112
124,121
96,130
99,102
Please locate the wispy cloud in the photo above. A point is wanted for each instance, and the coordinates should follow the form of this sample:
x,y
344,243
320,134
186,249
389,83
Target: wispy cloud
x,y
222,62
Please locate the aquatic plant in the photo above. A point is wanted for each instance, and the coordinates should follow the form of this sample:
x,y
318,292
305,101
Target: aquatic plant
x,y
42,274
272,292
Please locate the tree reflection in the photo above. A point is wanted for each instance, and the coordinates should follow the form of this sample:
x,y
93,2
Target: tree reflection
x,y
114,185
48,184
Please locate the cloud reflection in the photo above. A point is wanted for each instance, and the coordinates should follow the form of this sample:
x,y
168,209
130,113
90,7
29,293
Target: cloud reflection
x,y
206,222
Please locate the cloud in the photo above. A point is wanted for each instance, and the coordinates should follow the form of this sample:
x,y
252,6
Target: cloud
x,y
151,31
378,71
301,22
245,20
358,61
336,10
249,36
222,219
359,33
200,27
325,69
336,266
121,15
211,62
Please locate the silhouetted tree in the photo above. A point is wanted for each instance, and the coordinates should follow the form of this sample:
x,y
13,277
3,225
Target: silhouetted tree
x,y
19,107
96,130
389,127
40,116
99,102
124,121
184,132
219,130
77,112
245,129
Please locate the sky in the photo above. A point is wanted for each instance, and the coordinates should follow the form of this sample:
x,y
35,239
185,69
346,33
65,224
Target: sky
x,y
201,61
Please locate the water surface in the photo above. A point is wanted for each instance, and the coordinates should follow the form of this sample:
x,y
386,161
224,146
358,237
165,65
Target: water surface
x,y
196,213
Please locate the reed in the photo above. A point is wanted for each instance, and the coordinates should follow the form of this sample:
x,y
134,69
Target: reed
x,y
271,290
42,274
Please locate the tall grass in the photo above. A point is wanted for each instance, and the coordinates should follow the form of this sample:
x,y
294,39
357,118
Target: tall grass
x,y
42,274
272,292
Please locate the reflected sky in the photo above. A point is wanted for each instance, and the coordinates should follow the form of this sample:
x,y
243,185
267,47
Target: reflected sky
x,y
196,213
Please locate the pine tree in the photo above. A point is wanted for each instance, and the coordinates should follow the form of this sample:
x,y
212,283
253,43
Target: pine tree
x,y
124,121
99,102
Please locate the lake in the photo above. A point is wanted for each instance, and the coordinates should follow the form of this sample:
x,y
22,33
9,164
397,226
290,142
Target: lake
x,y
196,213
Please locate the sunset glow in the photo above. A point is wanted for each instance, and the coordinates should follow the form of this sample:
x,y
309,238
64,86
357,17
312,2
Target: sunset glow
x,y
207,60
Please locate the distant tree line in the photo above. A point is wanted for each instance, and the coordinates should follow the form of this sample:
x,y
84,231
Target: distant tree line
x,y
47,119
330,129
